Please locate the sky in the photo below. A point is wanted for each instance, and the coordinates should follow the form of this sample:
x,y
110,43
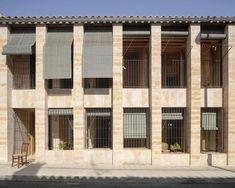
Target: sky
x,y
117,7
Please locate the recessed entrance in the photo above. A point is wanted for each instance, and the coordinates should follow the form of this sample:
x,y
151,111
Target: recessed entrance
x,y
24,130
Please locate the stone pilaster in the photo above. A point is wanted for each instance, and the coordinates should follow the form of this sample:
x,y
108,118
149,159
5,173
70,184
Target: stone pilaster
x,y
41,112
6,124
155,93
117,92
78,110
194,93
229,94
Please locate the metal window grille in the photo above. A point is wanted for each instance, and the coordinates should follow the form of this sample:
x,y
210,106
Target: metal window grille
x,y
173,130
136,127
136,61
60,132
98,128
211,130
23,71
135,73
97,82
211,64
174,65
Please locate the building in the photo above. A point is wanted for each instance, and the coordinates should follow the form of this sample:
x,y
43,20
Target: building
x,y
118,90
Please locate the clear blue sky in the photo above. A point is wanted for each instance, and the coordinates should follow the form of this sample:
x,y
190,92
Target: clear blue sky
x,y
117,7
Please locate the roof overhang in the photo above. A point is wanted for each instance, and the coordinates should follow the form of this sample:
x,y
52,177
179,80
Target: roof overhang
x,y
114,19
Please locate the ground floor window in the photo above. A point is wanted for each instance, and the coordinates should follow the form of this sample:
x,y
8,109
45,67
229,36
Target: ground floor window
x,y
98,128
173,130
60,129
136,127
211,130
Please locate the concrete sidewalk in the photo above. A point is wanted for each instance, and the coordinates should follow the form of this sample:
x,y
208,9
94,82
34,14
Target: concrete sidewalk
x,y
127,173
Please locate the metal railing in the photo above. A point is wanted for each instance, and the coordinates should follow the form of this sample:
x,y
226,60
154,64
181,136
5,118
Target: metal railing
x,y
212,130
23,79
135,73
173,73
136,128
98,128
60,132
173,130
211,73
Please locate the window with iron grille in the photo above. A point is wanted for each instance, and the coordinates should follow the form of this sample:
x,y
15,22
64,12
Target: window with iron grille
x,y
60,132
135,62
98,128
173,130
174,65
211,63
211,130
136,127
97,83
23,71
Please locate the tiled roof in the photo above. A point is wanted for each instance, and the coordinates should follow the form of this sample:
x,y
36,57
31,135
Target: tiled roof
x,y
113,19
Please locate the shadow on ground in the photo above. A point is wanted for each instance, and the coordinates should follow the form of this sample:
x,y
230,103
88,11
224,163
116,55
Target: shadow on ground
x,y
32,176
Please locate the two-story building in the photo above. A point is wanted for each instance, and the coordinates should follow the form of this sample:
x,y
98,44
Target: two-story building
x,y
118,90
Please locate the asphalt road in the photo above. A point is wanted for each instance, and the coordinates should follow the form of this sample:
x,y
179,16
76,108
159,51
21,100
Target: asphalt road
x,y
15,184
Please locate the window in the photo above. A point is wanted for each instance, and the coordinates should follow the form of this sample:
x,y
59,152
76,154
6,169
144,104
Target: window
x,y
211,130
135,62
211,63
174,65
136,127
23,71
97,82
173,130
99,128
60,129
60,83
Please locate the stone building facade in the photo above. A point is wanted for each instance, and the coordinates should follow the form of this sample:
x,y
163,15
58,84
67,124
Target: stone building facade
x,y
70,87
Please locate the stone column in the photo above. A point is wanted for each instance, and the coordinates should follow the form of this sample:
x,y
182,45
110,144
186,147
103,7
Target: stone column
x,y
78,110
194,93
41,112
117,93
6,125
229,93
155,93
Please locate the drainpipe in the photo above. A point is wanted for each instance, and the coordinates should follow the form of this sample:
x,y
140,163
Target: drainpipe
x,y
175,33
213,36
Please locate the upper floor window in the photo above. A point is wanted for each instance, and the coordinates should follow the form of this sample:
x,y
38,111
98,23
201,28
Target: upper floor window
x,y
211,63
20,51
136,57
174,65
97,56
58,57
97,83
60,83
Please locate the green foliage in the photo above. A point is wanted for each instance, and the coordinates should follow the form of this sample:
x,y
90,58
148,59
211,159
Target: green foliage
x,y
175,147
62,145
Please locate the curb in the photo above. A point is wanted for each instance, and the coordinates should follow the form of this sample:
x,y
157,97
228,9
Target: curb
x,y
119,180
